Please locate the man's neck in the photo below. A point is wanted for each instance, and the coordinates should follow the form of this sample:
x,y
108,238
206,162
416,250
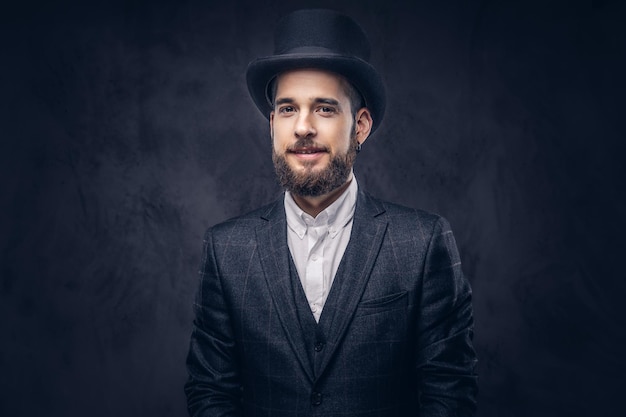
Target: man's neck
x,y
315,205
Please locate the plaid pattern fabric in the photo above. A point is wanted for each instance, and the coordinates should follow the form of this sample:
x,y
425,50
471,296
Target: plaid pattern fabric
x,y
394,338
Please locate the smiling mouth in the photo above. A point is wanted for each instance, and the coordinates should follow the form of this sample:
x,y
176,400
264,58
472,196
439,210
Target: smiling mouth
x,y
307,151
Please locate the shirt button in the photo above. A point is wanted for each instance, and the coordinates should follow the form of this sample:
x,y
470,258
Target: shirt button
x,y
314,258
314,308
316,398
319,346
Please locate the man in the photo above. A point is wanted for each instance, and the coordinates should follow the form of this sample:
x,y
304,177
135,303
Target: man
x,y
328,301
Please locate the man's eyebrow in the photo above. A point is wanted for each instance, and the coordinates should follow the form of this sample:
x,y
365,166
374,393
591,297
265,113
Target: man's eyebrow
x,y
323,100
283,100
317,100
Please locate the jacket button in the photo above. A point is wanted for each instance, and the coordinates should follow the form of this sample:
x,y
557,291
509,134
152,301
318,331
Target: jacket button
x,y
319,346
316,398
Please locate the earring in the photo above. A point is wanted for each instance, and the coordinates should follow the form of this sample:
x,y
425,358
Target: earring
x,y
358,147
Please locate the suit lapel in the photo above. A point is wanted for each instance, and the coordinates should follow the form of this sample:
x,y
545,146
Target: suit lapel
x,y
353,274
274,254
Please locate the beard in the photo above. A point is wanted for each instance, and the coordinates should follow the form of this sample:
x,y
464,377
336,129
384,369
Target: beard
x,y
313,183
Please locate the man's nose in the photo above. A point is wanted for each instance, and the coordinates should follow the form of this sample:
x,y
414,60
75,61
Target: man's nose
x,y
304,125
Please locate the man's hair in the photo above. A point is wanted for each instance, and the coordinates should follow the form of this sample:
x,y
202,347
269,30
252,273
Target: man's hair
x,y
356,99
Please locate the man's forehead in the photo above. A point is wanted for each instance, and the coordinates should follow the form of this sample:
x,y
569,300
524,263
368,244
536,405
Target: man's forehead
x,y
311,77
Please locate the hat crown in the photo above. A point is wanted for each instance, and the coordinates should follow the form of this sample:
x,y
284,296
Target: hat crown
x,y
322,30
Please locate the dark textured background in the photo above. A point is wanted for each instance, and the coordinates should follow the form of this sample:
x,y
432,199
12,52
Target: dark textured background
x,y
127,130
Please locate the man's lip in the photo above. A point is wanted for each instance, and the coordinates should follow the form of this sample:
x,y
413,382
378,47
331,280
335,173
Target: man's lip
x,y
307,151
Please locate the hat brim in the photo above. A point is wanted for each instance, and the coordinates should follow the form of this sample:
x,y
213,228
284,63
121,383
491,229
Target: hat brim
x,y
357,71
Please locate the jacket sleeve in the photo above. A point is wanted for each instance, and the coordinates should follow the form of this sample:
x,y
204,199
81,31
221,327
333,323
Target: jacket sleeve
x,y
445,357
213,387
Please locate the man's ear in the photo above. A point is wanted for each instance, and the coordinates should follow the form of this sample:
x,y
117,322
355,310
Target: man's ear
x,y
363,124
272,124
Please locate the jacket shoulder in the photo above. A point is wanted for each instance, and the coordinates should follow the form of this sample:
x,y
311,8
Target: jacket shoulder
x,y
407,216
243,224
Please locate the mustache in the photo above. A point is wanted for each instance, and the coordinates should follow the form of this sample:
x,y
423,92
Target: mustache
x,y
305,143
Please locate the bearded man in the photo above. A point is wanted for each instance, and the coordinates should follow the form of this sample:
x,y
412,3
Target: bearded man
x,y
329,301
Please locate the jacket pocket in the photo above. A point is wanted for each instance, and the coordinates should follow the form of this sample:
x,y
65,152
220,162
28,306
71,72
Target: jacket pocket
x,y
387,303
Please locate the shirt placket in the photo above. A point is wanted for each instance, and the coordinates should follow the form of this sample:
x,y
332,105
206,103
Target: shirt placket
x,y
315,268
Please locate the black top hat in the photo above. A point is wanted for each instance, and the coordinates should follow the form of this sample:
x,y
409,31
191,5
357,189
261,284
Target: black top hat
x,y
321,39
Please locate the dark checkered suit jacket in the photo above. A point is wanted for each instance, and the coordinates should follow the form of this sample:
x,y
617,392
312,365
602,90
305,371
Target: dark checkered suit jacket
x,y
394,338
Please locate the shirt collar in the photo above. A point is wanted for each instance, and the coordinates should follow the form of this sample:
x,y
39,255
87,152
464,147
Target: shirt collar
x,y
336,216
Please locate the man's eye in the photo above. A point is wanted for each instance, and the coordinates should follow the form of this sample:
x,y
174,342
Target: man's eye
x,y
286,109
327,109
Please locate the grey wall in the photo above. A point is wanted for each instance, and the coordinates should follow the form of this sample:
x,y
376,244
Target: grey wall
x,y
127,130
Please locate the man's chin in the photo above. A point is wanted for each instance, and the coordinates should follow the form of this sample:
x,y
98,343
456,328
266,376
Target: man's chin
x,y
312,178
312,169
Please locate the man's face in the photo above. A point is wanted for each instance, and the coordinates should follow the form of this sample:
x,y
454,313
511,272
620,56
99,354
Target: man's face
x,y
313,132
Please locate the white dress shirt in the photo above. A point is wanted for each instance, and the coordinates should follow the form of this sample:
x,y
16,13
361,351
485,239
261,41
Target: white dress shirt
x,y
317,244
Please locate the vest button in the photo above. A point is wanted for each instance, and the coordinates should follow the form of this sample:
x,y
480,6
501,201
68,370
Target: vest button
x,y
316,398
318,346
